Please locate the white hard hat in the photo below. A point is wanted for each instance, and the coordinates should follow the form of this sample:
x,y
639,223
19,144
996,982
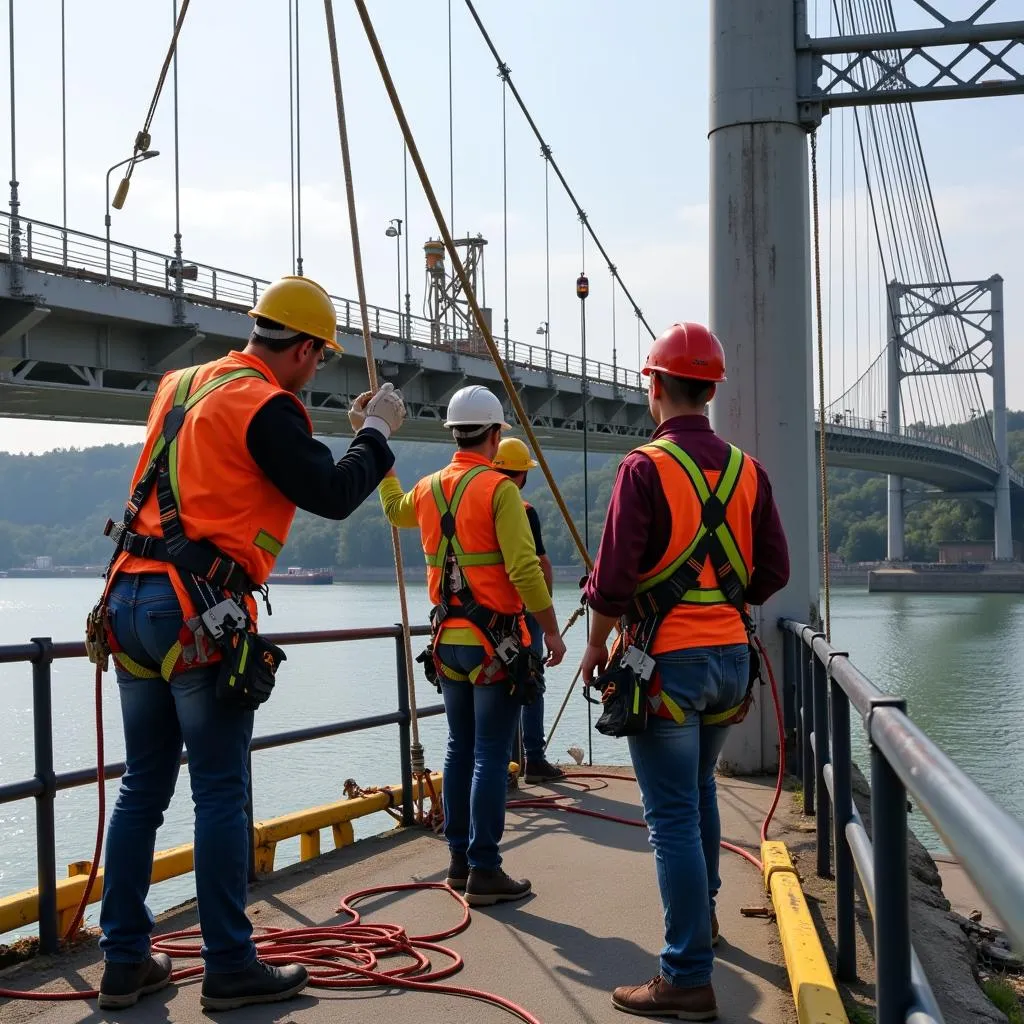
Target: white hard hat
x,y
475,406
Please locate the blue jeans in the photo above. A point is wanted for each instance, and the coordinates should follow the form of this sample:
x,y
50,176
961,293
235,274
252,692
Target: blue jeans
x,y
158,717
481,722
533,714
675,769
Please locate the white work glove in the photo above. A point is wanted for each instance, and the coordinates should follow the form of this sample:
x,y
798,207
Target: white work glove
x,y
357,410
386,410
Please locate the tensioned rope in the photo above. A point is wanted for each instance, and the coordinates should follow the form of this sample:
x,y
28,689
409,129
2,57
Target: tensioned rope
x,y
418,764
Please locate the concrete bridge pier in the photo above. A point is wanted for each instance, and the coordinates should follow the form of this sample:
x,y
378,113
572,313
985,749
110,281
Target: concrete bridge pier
x,y
761,299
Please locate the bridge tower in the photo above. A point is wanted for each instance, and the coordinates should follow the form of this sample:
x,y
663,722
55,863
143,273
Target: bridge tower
x,y
978,307
771,84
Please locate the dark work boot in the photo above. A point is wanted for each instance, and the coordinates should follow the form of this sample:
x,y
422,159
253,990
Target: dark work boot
x,y
541,770
458,872
484,887
660,999
258,983
122,984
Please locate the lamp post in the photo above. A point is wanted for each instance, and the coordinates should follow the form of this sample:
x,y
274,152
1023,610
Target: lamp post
x,y
545,329
395,231
122,191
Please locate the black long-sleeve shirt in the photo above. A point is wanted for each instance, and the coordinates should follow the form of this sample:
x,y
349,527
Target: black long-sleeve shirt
x,y
303,469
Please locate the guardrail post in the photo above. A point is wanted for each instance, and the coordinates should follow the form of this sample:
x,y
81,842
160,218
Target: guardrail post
x,y
892,899
250,817
821,757
404,736
806,726
842,812
46,852
788,682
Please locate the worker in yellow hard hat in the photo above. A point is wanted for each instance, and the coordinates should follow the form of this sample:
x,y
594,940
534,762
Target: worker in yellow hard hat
x,y
514,461
229,455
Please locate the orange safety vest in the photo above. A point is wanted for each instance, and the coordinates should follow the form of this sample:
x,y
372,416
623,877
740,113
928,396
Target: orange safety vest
x,y
704,617
465,490
222,496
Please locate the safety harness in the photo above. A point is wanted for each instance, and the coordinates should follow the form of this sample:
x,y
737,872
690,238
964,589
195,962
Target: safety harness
x,y
206,572
679,583
511,660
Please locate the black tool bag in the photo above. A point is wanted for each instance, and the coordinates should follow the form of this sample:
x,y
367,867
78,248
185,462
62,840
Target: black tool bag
x,y
624,700
248,668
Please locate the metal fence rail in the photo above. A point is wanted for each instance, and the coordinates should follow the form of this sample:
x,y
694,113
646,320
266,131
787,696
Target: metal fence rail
x,y
821,685
45,783
50,247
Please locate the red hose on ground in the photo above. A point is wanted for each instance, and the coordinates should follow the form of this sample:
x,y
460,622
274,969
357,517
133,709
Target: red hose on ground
x,y
348,955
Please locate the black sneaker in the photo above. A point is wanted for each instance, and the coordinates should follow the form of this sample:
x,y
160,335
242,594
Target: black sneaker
x,y
458,872
542,771
122,984
485,888
258,983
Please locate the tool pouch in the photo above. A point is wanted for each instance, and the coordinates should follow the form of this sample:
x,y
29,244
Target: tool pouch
x,y
624,699
248,668
525,675
427,660
97,645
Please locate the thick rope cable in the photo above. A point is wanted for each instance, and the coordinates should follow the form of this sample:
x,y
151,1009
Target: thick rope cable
x,y
546,150
418,764
144,134
460,270
822,463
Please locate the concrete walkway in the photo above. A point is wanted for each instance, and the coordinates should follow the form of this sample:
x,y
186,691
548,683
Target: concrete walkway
x,y
593,922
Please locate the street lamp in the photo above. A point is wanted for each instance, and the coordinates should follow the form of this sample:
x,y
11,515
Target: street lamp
x,y
545,329
395,232
122,193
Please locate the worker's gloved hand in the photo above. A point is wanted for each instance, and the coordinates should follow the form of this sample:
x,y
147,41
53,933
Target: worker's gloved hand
x,y
357,410
386,410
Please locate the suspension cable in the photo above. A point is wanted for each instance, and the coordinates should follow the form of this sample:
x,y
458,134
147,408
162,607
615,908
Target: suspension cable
x,y
547,257
460,270
143,138
291,125
546,149
822,463
371,372
298,145
504,196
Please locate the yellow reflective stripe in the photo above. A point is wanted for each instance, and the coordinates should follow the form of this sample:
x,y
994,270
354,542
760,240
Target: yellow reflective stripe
x,y
709,596
693,471
732,552
436,560
673,566
636,700
137,670
720,716
219,382
450,673
268,542
677,713
170,660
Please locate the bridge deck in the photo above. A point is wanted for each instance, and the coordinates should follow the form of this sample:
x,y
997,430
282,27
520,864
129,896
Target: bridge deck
x,y
594,922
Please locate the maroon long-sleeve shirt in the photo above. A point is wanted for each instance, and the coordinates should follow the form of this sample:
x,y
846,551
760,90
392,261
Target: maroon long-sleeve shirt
x,y
638,525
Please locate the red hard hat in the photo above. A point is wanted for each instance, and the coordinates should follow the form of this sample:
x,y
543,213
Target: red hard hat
x,y
687,350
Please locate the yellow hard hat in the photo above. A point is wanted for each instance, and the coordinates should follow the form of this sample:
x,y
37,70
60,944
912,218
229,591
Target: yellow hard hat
x,y
302,305
514,456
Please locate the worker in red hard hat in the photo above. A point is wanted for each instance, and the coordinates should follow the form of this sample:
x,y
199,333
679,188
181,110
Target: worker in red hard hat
x,y
691,539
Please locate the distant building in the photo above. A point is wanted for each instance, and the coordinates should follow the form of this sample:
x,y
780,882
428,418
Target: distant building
x,y
44,562
954,552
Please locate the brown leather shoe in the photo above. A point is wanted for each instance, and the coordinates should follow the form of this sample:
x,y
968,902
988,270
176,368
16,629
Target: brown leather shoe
x,y
660,999
714,929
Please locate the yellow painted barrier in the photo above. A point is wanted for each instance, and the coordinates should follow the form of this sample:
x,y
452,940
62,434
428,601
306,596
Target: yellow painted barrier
x,y
22,908
814,989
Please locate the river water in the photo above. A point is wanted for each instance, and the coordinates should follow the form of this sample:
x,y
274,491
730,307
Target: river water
x,y
954,658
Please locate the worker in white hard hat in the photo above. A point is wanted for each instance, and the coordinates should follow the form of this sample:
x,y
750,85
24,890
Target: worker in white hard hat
x,y
483,573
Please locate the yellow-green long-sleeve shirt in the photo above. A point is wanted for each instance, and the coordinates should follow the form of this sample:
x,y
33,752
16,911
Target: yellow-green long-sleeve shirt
x,y
515,540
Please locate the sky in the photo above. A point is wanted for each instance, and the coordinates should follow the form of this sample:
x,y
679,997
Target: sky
x,y
619,90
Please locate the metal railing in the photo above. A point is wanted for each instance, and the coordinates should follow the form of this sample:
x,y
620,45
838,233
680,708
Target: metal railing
x,y
50,247
821,685
45,783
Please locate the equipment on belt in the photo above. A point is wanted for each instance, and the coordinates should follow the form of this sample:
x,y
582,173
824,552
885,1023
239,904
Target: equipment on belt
x,y
514,456
215,583
687,350
302,305
512,661
631,667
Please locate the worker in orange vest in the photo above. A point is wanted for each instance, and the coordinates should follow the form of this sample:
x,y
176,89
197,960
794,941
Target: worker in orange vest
x,y
229,454
482,574
691,539
514,461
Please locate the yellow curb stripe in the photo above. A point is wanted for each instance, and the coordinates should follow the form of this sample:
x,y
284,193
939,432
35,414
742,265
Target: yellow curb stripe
x,y
814,989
